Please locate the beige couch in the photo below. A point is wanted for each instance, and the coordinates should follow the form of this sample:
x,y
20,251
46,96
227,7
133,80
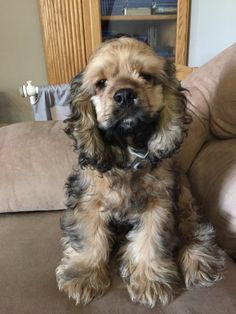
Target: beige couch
x,y
36,158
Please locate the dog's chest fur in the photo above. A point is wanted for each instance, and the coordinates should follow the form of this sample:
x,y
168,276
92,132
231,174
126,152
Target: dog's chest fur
x,y
124,194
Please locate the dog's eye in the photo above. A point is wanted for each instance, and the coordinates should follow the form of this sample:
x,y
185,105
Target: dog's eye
x,y
147,77
101,84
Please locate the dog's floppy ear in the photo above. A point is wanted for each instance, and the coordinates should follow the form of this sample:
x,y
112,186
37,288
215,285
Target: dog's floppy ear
x,y
82,126
171,128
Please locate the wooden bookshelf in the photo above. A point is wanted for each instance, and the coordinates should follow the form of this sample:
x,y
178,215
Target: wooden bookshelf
x,y
160,17
72,30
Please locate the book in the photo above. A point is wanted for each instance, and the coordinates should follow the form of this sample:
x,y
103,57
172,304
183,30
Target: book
x,y
164,9
111,7
166,1
137,11
138,3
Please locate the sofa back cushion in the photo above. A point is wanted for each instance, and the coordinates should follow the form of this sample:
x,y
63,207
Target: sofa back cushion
x,y
35,160
223,106
211,103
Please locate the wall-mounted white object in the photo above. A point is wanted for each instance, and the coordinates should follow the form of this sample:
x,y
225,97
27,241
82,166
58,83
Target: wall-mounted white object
x,y
29,90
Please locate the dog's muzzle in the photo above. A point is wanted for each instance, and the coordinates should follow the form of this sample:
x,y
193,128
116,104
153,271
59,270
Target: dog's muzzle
x,y
126,100
125,97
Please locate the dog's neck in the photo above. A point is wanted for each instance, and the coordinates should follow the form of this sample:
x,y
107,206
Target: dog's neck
x,y
132,156
130,147
138,158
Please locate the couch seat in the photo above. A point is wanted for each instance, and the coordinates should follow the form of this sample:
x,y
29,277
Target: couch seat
x,y
30,251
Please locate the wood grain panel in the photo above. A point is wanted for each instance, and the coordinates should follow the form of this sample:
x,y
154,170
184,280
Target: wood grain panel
x,y
64,40
92,25
182,33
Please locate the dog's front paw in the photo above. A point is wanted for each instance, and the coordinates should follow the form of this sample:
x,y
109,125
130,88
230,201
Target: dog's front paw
x,y
201,267
202,260
82,286
149,292
152,284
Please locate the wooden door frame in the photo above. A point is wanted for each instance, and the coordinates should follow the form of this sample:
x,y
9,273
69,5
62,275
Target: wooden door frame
x,y
182,31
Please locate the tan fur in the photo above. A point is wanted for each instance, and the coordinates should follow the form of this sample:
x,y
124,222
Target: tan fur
x,y
200,260
165,241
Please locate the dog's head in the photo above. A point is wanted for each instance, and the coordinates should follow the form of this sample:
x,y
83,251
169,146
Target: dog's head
x,y
126,103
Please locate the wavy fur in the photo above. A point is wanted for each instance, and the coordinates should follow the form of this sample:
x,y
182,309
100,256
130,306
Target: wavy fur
x,y
128,118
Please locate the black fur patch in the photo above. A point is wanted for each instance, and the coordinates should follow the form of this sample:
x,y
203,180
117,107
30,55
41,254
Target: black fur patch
x,y
120,228
70,228
139,134
76,186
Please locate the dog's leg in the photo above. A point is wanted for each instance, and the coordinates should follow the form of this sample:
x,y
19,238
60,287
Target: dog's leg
x,y
200,258
83,272
147,264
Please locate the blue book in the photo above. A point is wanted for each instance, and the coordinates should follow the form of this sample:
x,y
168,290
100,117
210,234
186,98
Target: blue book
x,y
167,1
112,7
138,4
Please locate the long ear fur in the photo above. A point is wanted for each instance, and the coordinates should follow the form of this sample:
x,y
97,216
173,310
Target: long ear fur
x,y
82,126
171,129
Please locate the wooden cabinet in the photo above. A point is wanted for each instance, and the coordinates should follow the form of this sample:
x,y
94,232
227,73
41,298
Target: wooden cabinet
x,y
70,33
72,29
167,34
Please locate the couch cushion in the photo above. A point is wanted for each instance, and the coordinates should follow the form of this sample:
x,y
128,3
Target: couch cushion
x,y
30,252
211,102
35,160
223,106
213,178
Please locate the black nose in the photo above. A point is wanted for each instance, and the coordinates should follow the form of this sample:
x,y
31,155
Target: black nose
x,y
125,97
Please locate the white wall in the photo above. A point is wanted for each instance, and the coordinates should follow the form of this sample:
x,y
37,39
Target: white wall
x,y
212,29
21,57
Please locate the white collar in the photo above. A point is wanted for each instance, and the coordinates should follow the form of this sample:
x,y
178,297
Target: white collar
x,y
138,152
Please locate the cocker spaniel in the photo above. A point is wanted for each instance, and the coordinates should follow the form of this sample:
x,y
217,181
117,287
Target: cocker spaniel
x,y
128,118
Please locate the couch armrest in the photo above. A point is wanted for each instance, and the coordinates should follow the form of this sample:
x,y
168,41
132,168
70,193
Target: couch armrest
x,y
213,180
182,71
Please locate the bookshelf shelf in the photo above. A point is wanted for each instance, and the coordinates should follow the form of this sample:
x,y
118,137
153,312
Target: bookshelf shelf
x,y
139,17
